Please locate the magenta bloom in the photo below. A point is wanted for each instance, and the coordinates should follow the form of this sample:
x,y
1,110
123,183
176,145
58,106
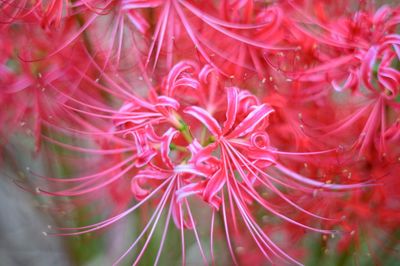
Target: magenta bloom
x,y
246,126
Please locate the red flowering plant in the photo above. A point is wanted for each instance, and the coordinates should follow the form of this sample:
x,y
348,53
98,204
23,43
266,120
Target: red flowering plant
x,y
255,127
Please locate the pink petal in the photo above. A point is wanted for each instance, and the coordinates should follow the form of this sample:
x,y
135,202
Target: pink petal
x,y
232,108
204,117
251,121
214,185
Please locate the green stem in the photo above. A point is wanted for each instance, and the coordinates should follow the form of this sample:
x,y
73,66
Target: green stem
x,y
180,125
184,129
175,147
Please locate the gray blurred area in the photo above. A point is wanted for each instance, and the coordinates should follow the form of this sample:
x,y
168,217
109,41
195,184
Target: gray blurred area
x,y
25,218
22,223
22,241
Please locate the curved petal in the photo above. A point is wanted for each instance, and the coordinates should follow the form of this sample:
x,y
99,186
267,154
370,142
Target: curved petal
x,y
251,121
367,67
214,185
204,117
173,75
165,146
232,108
164,101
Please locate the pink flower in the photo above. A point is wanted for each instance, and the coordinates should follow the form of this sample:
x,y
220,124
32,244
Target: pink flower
x,y
235,176
252,110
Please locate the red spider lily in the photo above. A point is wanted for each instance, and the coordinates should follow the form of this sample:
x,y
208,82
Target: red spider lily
x,y
245,153
356,46
179,21
248,106
180,27
48,13
381,97
145,185
363,58
34,81
243,144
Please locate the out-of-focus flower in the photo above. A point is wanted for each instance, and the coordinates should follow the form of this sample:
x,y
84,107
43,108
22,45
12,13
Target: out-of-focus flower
x,y
276,118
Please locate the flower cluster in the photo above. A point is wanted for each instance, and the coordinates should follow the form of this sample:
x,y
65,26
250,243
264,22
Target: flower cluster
x,y
278,117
